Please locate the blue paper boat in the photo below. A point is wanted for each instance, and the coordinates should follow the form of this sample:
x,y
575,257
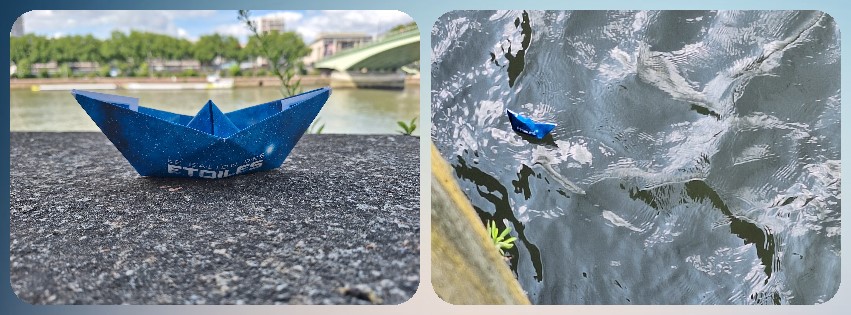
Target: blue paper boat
x,y
210,144
529,127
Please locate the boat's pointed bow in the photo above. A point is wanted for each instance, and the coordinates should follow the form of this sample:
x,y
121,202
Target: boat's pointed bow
x,y
130,103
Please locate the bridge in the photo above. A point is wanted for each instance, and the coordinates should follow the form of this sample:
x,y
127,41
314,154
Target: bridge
x,y
374,64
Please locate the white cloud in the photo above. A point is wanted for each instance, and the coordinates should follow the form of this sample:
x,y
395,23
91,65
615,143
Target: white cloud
x,y
362,21
288,16
100,23
182,33
235,29
240,31
309,24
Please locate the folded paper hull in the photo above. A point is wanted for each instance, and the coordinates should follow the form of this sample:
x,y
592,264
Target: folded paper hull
x,y
529,127
162,144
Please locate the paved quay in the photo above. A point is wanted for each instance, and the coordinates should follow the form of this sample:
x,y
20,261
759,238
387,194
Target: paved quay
x,y
338,223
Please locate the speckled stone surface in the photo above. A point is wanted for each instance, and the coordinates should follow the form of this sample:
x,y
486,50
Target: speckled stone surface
x,y
338,223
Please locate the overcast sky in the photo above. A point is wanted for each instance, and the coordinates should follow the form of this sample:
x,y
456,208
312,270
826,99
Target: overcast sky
x,y
192,24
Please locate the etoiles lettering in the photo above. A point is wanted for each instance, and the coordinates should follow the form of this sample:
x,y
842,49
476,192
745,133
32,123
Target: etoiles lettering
x,y
211,174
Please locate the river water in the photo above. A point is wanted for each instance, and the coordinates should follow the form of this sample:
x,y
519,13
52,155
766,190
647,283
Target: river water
x,y
696,158
353,111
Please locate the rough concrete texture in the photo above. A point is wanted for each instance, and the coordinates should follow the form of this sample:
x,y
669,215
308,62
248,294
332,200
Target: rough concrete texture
x,y
338,223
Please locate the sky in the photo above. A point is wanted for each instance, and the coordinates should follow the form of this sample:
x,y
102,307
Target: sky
x,y
191,24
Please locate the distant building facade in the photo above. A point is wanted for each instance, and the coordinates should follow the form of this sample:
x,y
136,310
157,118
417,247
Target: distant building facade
x,y
88,67
160,65
18,27
329,44
268,24
53,68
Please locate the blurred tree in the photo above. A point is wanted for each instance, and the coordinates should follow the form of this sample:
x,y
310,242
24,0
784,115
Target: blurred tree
x,y
34,48
234,70
282,50
24,69
65,70
402,27
142,70
129,51
208,47
103,70
287,48
109,49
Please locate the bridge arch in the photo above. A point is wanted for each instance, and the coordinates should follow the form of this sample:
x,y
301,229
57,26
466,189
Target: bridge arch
x,y
391,52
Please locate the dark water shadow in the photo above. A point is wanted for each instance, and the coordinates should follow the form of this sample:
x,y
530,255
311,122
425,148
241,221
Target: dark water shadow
x,y
516,60
497,194
705,111
664,197
548,140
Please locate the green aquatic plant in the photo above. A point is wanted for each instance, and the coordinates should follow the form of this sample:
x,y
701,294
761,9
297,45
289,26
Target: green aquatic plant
x,y
499,238
408,128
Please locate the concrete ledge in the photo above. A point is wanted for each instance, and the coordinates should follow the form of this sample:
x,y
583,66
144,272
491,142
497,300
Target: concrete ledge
x,y
338,223
466,266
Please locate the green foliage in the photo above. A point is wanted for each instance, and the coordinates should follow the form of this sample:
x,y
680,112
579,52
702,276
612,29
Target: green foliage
x,y
65,70
403,27
281,50
499,238
142,70
103,71
189,73
75,48
35,49
128,51
208,47
125,68
24,69
234,70
407,128
315,127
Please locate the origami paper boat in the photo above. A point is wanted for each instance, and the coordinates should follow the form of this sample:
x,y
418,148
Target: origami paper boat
x,y
528,126
210,144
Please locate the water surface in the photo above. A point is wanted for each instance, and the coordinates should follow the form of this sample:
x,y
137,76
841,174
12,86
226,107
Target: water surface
x,y
696,158
354,111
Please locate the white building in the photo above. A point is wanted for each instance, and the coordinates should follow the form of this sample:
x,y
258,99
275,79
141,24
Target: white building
x,y
270,23
329,44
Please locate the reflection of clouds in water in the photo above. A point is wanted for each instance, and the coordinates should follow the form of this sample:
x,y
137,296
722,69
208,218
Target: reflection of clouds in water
x,y
618,221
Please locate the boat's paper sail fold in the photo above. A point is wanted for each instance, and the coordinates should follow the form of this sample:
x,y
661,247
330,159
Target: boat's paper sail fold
x,y
211,120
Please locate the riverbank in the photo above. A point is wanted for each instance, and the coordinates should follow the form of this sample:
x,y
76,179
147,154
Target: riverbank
x,y
308,80
338,223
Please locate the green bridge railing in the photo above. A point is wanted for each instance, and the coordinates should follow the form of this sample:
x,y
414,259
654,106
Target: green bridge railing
x,y
384,40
